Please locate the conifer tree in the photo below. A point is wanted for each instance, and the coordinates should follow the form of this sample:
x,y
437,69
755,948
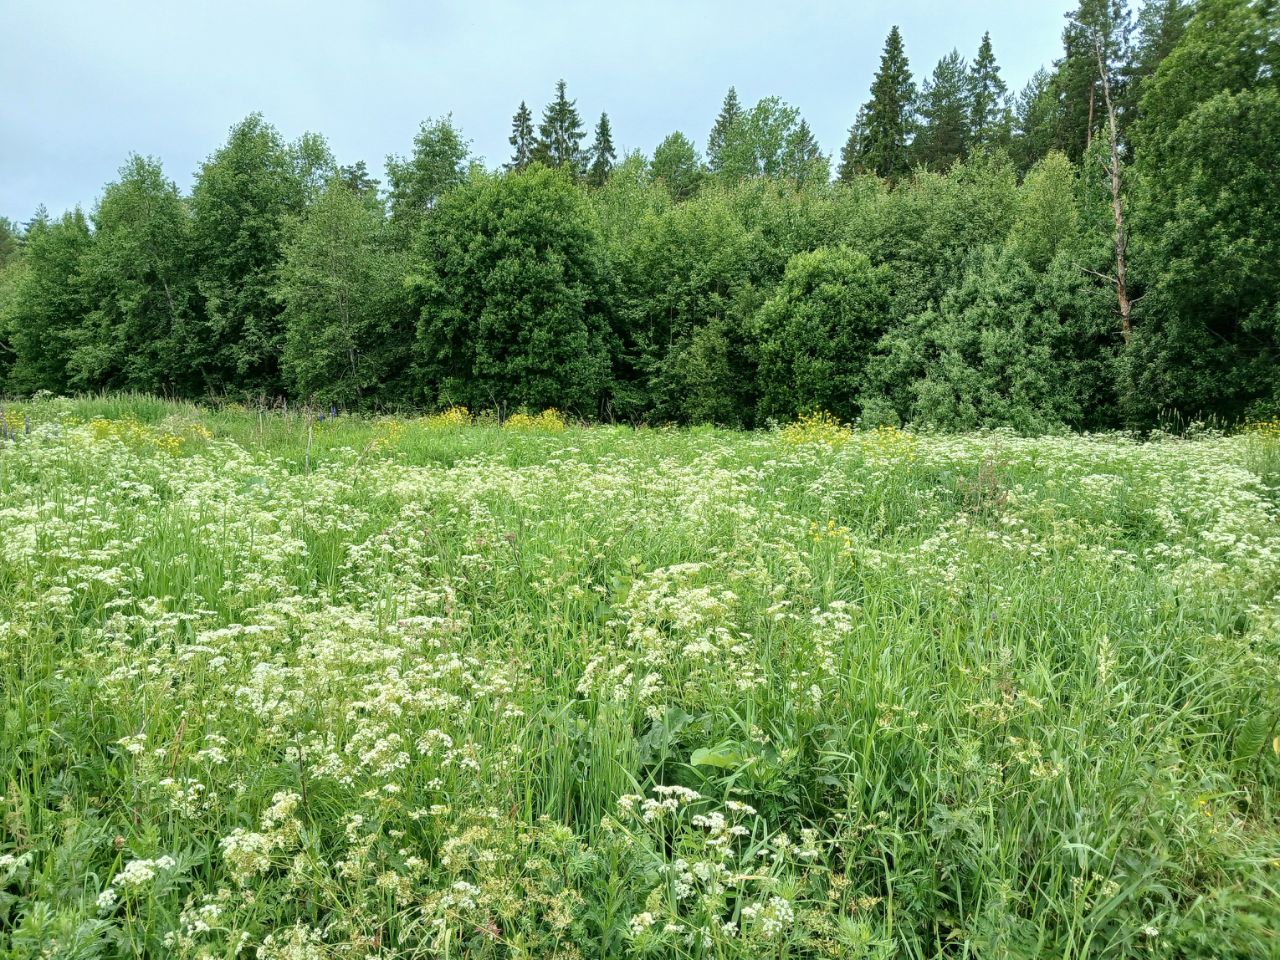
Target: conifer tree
x,y
730,114
943,136
851,166
803,161
521,139
560,134
988,111
603,154
890,113
357,178
1160,25
1076,90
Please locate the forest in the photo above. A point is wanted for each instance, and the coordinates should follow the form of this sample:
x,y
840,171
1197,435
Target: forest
x,y
1100,250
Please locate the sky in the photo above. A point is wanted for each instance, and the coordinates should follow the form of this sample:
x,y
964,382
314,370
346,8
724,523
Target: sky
x,y
87,83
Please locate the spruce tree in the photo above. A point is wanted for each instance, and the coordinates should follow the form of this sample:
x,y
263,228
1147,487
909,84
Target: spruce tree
x,y
802,158
851,166
943,137
521,139
988,111
602,153
560,134
730,114
890,113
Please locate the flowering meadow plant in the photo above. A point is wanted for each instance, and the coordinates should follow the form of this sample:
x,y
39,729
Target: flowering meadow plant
x,y
278,687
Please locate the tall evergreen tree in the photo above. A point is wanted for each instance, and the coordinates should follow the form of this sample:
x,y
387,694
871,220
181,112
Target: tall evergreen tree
x,y
1075,94
943,135
730,114
560,134
988,111
803,160
1035,118
603,154
851,165
522,139
890,113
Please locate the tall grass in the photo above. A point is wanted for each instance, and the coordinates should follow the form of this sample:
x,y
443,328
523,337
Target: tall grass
x,y
280,686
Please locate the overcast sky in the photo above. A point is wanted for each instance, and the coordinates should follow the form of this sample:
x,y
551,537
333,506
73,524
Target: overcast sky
x,y
86,83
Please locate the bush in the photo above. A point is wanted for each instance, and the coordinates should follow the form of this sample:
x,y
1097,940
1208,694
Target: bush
x,y
507,285
813,336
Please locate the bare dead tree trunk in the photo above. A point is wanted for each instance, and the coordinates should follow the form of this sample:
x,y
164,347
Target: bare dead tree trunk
x,y
1117,209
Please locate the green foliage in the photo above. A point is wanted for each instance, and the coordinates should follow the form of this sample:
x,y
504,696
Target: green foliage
x,y
1010,345
676,166
521,139
438,164
602,153
621,205
814,334
243,197
348,332
1046,216
1035,120
944,115
559,142
1158,30
730,113
10,242
927,230
47,303
358,180
1208,214
851,163
507,271
890,114
989,117
770,140
139,275
682,268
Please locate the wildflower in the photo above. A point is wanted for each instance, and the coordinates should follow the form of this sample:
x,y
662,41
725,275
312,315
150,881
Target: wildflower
x,y
641,922
138,873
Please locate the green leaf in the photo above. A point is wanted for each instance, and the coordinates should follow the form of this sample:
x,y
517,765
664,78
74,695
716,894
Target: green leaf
x,y
727,754
1252,737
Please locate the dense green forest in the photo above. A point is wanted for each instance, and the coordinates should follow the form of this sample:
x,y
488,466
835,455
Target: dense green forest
x,y
1097,251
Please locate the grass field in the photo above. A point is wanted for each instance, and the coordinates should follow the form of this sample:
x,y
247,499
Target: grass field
x,y
283,688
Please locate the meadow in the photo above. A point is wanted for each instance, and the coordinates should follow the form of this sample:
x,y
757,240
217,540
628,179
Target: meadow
x,y
284,687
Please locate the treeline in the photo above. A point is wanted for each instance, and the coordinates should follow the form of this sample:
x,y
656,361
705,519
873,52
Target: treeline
x,y
1094,251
